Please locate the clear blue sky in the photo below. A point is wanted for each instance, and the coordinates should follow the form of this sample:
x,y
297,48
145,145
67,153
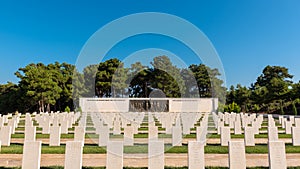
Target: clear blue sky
x,y
248,35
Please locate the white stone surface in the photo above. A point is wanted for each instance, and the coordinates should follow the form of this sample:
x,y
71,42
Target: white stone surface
x,y
31,155
114,158
73,155
54,136
272,134
296,136
196,155
103,136
277,155
201,133
225,136
122,104
79,134
237,156
5,135
128,136
30,133
64,127
288,127
237,127
152,133
249,136
156,155
176,136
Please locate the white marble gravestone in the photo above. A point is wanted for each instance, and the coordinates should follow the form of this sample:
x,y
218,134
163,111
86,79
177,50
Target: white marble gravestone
x,y
297,122
31,155
117,127
30,132
272,134
176,136
13,125
280,118
103,136
73,155
79,134
237,127
296,136
283,121
277,155
292,119
55,136
288,127
114,155
64,127
156,155
1,122
46,126
225,136
196,155
55,122
152,133
128,136
237,156
220,125
201,133
5,135
249,136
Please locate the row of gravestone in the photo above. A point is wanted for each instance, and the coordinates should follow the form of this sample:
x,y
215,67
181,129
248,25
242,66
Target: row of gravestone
x,y
250,131
177,131
30,130
114,158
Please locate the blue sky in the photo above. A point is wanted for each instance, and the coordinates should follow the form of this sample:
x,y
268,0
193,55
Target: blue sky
x,y
248,35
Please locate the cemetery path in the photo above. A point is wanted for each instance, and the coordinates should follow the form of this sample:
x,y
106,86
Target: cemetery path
x,y
145,140
140,160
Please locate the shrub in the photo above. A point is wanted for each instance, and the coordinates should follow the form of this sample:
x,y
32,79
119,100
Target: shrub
x,y
67,109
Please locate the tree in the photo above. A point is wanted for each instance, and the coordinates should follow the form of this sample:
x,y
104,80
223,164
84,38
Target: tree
x,y
233,107
276,81
10,98
40,83
209,85
90,80
191,87
104,75
139,79
78,87
166,77
295,111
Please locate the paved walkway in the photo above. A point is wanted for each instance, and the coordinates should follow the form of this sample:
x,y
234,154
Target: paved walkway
x,y
145,140
140,160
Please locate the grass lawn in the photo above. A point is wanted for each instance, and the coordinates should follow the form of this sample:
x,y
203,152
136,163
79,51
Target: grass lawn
x,y
143,148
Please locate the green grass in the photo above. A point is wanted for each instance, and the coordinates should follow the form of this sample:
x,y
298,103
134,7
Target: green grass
x,y
143,148
19,135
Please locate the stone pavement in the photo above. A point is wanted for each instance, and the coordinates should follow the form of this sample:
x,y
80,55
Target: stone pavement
x,y
145,140
140,160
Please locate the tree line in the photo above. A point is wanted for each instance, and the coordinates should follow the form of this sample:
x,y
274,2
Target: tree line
x,y
272,92
57,86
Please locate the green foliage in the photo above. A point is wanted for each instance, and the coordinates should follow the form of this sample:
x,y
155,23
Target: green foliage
x,y
104,77
208,83
59,85
89,77
166,77
233,107
67,109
